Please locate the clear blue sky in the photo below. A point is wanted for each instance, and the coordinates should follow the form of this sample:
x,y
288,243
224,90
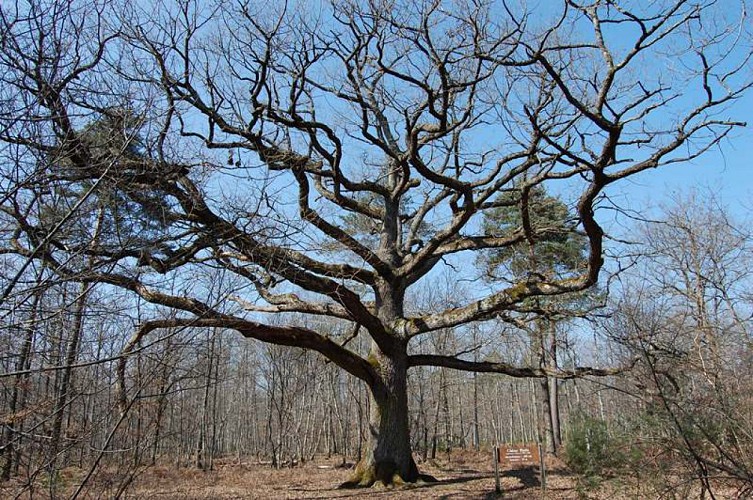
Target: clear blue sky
x,y
727,170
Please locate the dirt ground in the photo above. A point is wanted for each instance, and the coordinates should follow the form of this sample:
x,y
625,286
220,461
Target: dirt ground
x,y
462,475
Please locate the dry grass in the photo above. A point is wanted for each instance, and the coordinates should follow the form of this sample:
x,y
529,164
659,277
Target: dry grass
x,y
465,475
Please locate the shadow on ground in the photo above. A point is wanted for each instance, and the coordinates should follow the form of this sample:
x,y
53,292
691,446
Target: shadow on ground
x,y
527,476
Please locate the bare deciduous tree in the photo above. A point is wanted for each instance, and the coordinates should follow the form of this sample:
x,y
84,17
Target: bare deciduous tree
x,y
331,161
688,317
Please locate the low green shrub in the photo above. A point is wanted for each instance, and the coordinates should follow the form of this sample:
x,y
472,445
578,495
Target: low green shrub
x,y
589,450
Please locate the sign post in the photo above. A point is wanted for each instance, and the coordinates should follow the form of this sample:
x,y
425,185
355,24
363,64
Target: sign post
x,y
542,469
522,454
496,470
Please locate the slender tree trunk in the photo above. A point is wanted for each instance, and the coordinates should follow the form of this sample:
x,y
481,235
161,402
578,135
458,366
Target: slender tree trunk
x,y
535,413
16,399
203,448
447,419
545,419
139,413
161,404
254,425
422,423
554,414
361,433
65,385
553,392
476,425
518,405
345,424
213,434
436,417
545,339
461,431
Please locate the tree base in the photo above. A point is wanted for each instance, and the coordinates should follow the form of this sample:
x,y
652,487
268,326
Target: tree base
x,y
385,474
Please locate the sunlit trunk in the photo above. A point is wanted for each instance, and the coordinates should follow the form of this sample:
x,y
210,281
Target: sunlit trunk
x,y
388,458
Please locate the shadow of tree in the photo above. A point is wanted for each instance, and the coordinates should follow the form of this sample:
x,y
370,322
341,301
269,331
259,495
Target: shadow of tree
x,y
528,476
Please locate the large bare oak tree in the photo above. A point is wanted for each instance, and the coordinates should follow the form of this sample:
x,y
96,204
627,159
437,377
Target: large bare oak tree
x,y
328,156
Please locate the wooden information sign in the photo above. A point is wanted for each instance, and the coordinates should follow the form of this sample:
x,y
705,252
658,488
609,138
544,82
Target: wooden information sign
x,y
518,454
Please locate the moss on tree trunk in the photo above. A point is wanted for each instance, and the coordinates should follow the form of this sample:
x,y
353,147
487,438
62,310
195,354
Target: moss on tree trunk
x,y
388,459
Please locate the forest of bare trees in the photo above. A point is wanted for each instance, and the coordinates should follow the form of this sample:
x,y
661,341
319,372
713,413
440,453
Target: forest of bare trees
x,y
380,231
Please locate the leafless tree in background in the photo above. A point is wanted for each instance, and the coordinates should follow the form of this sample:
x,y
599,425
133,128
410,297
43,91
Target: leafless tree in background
x,y
688,317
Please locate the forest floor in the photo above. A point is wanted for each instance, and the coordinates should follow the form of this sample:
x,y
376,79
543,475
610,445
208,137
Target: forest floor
x,y
461,475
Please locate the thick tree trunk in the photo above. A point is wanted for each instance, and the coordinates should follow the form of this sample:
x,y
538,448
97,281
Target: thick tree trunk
x,y
388,459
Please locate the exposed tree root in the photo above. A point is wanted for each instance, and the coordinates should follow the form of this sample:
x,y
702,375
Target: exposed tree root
x,y
385,474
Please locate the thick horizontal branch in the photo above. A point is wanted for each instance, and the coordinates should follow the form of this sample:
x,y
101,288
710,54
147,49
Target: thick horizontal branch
x,y
487,307
511,370
279,335
291,303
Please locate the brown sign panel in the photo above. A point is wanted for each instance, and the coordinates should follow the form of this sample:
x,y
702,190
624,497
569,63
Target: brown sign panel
x,y
518,454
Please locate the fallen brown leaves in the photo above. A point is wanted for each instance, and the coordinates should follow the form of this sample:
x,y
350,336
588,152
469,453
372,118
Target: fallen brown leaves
x,y
461,475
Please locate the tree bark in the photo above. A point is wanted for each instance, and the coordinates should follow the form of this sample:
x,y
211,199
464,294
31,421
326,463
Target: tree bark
x,y
388,458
